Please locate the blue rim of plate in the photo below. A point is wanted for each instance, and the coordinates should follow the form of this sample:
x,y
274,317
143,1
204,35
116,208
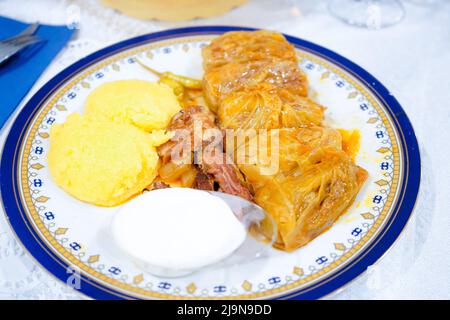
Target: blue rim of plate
x,y
90,287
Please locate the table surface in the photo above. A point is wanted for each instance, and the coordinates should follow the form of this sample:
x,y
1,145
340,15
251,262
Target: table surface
x,y
412,59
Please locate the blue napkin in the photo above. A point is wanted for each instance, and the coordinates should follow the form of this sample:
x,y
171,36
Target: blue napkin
x,y
19,74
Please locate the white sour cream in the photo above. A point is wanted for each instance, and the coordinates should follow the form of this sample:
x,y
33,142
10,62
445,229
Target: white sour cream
x,y
175,231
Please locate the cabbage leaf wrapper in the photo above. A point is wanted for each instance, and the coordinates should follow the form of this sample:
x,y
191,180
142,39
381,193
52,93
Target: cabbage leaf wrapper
x,y
308,201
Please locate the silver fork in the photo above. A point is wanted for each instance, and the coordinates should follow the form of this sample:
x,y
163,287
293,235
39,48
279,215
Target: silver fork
x,y
11,46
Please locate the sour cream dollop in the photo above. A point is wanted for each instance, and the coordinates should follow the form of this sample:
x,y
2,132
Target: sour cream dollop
x,y
175,231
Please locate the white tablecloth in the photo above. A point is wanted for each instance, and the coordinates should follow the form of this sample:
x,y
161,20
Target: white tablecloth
x,y
412,59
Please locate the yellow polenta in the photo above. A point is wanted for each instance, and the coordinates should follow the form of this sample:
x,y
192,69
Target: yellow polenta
x,y
147,105
101,162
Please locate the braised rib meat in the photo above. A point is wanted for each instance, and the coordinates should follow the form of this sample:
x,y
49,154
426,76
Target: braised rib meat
x,y
203,181
198,138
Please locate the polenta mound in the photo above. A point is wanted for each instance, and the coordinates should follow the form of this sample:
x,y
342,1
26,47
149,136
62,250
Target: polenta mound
x,y
146,105
101,162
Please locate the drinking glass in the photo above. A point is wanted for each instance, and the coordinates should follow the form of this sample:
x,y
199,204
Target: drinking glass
x,y
372,14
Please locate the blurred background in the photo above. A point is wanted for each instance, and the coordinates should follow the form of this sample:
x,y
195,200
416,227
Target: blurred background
x,y
405,44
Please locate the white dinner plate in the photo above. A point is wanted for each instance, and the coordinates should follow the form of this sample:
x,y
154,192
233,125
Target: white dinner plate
x,y
70,238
